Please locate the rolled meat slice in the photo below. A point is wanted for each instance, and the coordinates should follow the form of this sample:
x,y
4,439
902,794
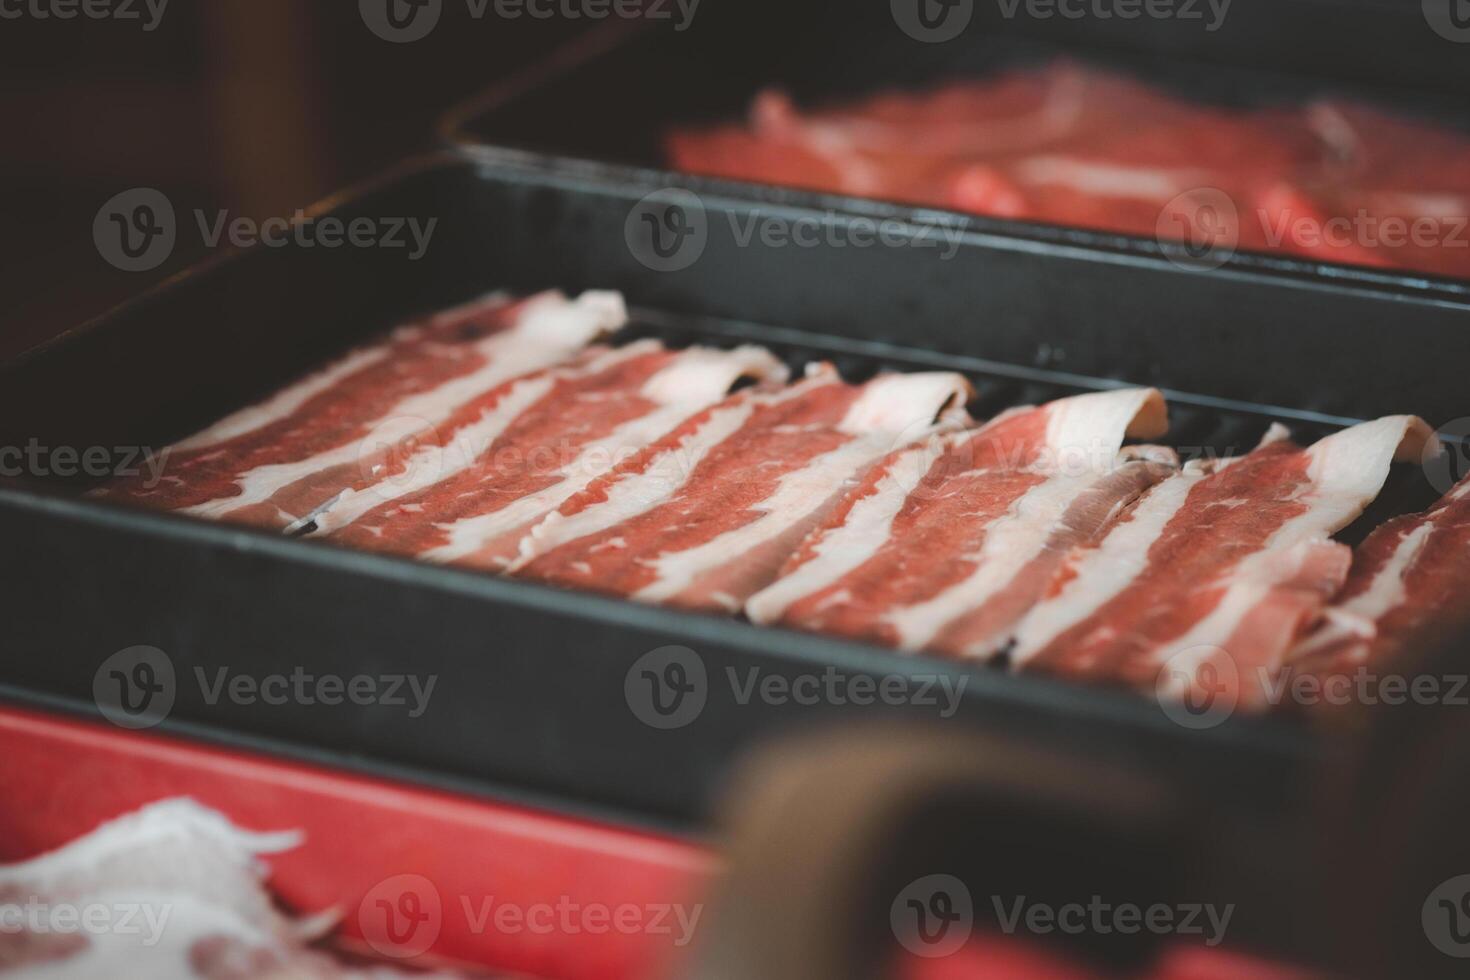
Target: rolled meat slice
x,y
280,463
704,517
1202,587
534,443
947,544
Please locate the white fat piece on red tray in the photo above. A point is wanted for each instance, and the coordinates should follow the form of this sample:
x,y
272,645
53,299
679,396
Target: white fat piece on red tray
x,y
704,517
1204,584
946,544
174,891
547,437
281,463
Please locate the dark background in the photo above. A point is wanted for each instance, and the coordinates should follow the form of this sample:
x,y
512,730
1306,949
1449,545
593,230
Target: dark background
x,y
255,106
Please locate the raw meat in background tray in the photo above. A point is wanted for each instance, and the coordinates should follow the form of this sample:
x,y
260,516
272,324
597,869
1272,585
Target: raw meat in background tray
x,y
1206,582
705,517
280,463
1409,581
536,442
946,544
1072,146
191,887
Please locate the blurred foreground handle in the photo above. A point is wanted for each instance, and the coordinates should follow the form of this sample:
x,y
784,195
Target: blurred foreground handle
x,y
849,846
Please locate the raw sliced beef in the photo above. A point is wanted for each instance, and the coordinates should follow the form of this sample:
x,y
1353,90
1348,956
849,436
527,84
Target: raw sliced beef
x,y
280,463
1211,576
704,517
534,443
1408,581
946,544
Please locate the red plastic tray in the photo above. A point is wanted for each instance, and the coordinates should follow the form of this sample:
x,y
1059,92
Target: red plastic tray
x,y
368,840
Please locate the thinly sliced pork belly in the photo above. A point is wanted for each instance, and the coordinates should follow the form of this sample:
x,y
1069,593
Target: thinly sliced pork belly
x,y
945,545
535,442
1216,571
1408,581
704,517
280,463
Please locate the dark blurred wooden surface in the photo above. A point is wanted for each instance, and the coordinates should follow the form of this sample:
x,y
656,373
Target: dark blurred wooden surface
x,y
255,106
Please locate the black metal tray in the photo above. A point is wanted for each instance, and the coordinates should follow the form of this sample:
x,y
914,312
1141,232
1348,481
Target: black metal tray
x,y
612,94
531,701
